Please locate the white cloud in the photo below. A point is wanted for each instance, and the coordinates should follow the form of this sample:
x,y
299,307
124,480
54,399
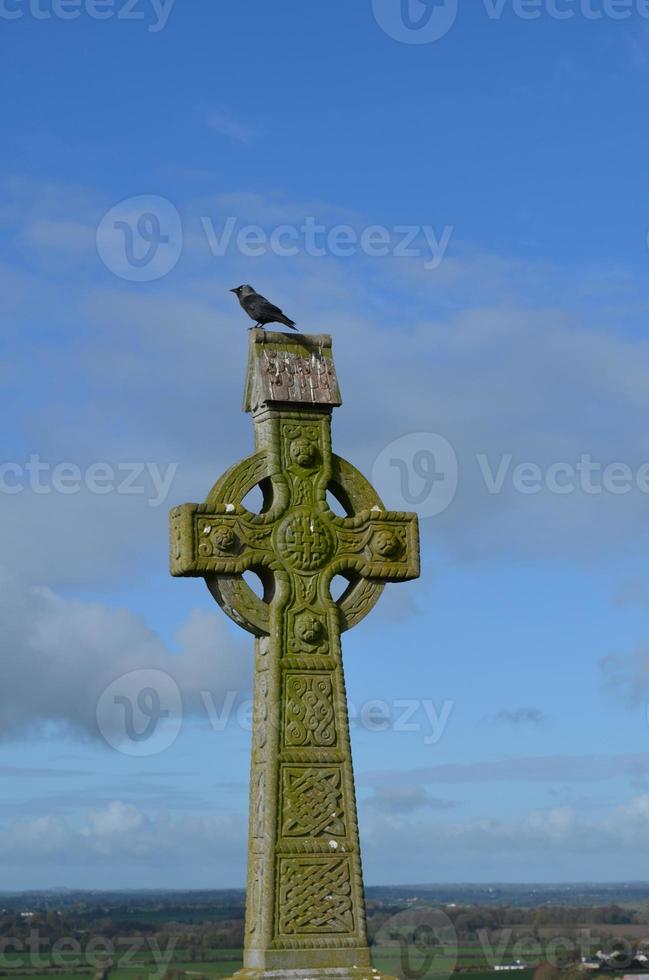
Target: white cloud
x,y
119,843
116,820
60,654
405,799
557,844
514,350
223,124
497,382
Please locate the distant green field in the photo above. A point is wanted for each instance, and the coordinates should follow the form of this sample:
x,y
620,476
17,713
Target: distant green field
x,y
418,962
226,968
411,963
159,917
222,963
50,976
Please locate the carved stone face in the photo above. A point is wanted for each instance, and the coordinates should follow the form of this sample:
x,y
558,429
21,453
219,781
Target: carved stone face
x,y
387,544
309,628
303,452
224,538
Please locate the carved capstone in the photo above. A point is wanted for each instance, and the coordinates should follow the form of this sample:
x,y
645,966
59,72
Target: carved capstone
x,y
305,906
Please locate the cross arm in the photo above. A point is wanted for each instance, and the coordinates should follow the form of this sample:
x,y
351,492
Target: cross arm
x,y
380,545
204,541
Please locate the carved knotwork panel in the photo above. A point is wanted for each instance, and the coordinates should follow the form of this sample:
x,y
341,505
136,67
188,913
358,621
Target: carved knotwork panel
x,y
309,711
312,802
315,896
304,541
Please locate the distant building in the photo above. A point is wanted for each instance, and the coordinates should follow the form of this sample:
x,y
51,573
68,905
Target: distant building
x,y
516,965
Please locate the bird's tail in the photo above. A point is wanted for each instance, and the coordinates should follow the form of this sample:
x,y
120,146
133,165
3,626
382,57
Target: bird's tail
x,y
289,323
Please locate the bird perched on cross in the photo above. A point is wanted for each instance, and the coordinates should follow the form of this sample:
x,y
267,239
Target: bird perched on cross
x,y
259,309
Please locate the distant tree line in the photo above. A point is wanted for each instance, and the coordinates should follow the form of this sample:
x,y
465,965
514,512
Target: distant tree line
x,y
198,929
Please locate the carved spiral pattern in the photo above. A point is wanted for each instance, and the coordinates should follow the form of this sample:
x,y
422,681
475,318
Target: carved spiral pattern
x,y
309,711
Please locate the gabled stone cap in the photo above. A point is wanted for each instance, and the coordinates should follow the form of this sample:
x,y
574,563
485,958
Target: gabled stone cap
x,y
290,369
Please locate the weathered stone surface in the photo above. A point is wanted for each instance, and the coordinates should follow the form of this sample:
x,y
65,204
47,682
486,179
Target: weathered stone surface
x,y
305,905
290,368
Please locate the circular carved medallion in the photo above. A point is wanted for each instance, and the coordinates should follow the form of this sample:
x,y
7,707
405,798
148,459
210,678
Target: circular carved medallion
x,y
304,542
303,452
387,544
224,538
308,627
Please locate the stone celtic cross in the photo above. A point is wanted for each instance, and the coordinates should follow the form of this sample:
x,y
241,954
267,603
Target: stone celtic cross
x,y
305,906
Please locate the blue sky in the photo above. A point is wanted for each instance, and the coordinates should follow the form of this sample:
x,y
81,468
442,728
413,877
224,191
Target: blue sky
x,y
514,675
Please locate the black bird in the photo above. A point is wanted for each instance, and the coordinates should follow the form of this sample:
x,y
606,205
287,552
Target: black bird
x,y
260,309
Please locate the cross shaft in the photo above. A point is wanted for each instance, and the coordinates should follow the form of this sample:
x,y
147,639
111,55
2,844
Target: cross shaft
x,y
305,904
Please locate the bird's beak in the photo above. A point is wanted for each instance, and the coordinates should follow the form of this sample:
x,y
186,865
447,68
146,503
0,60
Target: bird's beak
x,y
233,290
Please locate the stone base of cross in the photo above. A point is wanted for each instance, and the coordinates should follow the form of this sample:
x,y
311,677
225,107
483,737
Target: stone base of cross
x,y
305,911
